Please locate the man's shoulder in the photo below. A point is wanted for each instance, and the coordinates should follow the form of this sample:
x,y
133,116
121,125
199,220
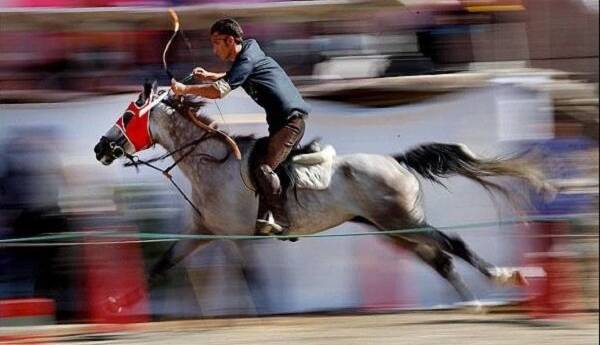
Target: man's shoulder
x,y
251,49
250,42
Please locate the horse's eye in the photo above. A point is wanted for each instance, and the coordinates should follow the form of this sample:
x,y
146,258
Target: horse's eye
x,y
126,118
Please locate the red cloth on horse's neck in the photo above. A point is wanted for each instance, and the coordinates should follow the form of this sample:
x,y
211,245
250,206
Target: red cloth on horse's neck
x,y
137,129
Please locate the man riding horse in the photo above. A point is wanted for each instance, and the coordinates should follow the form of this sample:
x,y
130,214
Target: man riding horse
x,y
271,88
382,191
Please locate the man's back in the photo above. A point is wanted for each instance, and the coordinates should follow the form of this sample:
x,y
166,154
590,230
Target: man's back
x,y
267,83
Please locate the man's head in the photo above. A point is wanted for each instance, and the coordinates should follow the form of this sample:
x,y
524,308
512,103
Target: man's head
x,y
226,35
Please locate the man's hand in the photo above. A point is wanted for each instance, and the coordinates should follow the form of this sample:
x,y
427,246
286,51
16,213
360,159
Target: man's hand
x,y
178,89
203,75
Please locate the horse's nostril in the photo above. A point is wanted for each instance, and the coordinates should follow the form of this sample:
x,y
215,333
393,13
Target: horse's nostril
x,y
118,152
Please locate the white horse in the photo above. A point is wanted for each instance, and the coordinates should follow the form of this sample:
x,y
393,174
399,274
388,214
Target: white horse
x,y
379,190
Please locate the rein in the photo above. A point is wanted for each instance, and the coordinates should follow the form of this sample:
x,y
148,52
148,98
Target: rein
x,y
135,161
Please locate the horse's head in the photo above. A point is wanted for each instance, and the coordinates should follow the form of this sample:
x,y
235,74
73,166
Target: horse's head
x,y
131,132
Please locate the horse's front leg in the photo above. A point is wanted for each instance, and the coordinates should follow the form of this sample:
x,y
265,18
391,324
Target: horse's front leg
x,y
176,253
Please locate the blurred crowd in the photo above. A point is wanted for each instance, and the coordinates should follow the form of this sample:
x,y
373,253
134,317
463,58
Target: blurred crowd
x,y
109,3
425,37
40,196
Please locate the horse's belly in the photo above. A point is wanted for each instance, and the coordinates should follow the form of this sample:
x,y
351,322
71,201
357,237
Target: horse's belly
x,y
311,220
232,219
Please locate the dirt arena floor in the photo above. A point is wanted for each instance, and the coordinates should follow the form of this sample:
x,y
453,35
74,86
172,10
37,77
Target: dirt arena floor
x,y
412,328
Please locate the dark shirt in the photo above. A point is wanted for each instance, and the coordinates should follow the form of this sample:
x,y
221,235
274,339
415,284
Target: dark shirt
x,y
267,83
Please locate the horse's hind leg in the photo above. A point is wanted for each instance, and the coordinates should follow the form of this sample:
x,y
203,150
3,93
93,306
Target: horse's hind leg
x,y
456,246
427,249
453,245
441,262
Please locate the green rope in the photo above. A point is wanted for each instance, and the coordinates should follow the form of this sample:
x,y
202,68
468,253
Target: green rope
x,y
176,237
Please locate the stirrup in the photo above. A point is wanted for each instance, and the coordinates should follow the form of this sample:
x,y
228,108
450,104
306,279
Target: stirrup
x,y
267,227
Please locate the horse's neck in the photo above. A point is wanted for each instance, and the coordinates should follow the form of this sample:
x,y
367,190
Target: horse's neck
x,y
172,131
216,188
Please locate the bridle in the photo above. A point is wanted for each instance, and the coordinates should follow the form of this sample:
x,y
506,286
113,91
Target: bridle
x,y
146,108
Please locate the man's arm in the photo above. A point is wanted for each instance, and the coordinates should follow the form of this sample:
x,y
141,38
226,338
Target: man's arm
x,y
203,75
222,84
207,90
214,76
217,76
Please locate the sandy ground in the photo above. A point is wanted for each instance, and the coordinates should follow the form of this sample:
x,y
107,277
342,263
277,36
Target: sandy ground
x,y
413,328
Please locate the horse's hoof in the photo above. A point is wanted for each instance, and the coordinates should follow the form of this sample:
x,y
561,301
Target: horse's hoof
x,y
519,279
473,307
508,277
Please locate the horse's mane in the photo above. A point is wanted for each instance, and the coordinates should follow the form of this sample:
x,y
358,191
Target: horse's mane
x,y
195,104
241,140
257,145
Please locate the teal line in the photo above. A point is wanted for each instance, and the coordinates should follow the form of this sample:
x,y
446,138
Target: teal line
x,y
146,235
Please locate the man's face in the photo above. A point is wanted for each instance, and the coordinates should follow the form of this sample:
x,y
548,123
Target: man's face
x,y
223,46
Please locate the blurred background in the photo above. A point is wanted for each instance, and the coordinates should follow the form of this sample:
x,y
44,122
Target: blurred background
x,y
381,76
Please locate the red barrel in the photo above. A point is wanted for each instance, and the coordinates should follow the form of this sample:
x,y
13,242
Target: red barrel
x,y
27,312
112,270
557,291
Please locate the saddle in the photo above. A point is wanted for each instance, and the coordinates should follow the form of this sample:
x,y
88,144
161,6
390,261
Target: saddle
x,y
307,167
313,170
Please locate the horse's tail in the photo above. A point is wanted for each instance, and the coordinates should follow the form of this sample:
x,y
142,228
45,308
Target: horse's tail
x,y
434,161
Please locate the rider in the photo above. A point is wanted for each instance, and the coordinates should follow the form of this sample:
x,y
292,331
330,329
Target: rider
x,y
271,88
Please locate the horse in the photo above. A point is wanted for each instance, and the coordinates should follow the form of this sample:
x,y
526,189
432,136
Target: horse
x,y
382,191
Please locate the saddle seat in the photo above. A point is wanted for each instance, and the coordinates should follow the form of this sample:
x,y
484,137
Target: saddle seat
x,y
308,167
313,170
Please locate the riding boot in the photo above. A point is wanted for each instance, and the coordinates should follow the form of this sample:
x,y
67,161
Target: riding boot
x,y
276,204
280,143
265,223
272,217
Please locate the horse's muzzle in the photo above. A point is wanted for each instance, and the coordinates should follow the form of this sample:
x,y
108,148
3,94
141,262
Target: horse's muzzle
x,y
105,152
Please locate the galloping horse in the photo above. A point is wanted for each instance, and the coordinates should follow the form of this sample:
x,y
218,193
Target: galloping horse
x,y
378,190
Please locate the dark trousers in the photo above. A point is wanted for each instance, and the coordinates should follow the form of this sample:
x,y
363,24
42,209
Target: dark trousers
x,y
280,144
282,141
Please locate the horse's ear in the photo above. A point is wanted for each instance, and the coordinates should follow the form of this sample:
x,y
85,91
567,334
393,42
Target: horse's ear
x,y
154,87
148,86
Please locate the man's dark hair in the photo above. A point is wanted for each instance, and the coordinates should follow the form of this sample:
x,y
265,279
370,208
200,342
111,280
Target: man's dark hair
x,y
228,26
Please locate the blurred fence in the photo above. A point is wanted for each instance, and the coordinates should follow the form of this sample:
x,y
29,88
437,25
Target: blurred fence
x,y
556,254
